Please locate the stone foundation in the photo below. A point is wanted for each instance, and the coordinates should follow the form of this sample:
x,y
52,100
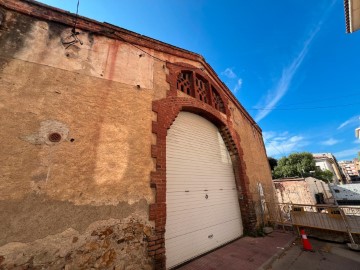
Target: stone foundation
x,y
109,244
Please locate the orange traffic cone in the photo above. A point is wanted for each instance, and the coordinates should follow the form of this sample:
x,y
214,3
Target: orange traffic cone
x,y
305,241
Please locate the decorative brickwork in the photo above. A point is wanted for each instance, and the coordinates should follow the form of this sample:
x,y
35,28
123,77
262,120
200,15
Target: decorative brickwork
x,y
202,89
184,82
195,83
217,101
167,110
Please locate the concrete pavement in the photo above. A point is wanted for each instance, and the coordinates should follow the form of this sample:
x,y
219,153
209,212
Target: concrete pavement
x,y
326,255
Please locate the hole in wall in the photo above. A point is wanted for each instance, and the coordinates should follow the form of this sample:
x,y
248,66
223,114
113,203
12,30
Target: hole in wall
x,y
72,140
54,137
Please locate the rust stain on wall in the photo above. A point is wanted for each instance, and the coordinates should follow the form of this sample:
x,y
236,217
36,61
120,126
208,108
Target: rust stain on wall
x,y
111,60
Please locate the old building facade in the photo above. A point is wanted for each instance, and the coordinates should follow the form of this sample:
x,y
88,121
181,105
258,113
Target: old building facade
x,y
327,161
309,190
349,169
112,143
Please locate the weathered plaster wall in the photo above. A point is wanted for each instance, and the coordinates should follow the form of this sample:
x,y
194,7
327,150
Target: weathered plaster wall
x,y
302,191
103,133
319,186
95,154
97,176
296,192
98,97
50,44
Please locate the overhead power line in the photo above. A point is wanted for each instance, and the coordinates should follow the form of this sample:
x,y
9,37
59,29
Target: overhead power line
x,y
273,146
312,101
303,108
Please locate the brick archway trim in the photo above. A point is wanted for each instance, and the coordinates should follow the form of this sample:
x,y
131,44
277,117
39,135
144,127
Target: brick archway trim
x,y
167,110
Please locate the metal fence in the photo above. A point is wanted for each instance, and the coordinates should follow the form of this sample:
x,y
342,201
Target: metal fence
x,y
345,219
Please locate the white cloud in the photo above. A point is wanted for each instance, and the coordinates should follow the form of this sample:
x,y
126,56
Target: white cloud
x,y
352,121
330,142
267,135
347,153
281,144
228,72
237,86
275,95
357,141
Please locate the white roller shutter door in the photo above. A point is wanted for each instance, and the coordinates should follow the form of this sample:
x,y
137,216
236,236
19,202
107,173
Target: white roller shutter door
x,y
202,206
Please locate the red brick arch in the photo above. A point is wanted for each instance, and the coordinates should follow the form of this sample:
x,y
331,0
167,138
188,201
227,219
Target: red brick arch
x,y
167,110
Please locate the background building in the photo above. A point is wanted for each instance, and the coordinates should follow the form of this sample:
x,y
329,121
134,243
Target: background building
x,y
357,163
347,194
350,170
307,190
352,15
327,161
118,151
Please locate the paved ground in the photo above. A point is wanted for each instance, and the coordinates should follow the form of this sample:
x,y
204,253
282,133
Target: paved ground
x,y
247,253
326,255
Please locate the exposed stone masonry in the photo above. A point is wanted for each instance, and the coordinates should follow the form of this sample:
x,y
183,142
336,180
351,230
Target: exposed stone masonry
x,y
110,244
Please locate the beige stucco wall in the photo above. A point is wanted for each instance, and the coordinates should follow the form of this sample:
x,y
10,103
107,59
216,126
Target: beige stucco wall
x,y
98,97
97,177
98,105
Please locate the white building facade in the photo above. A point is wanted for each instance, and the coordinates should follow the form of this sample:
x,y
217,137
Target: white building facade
x,y
327,161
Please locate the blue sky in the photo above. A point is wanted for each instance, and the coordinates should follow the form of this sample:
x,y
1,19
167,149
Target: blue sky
x,y
289,63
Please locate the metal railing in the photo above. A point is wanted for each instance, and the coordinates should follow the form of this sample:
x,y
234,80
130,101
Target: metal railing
x,y
327,217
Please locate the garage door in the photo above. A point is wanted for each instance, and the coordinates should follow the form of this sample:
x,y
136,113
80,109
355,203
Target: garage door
x,y
202,206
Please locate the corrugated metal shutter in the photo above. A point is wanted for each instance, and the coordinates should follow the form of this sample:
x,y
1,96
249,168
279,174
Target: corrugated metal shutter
x,y
202,206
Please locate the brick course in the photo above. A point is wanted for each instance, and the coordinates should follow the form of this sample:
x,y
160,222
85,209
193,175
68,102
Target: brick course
x,y
167,110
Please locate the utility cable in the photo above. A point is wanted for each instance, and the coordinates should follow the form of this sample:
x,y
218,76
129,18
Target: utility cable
x,y
303,108
149,54
76,18
164,61
312,101
273,146
74,33
254,109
